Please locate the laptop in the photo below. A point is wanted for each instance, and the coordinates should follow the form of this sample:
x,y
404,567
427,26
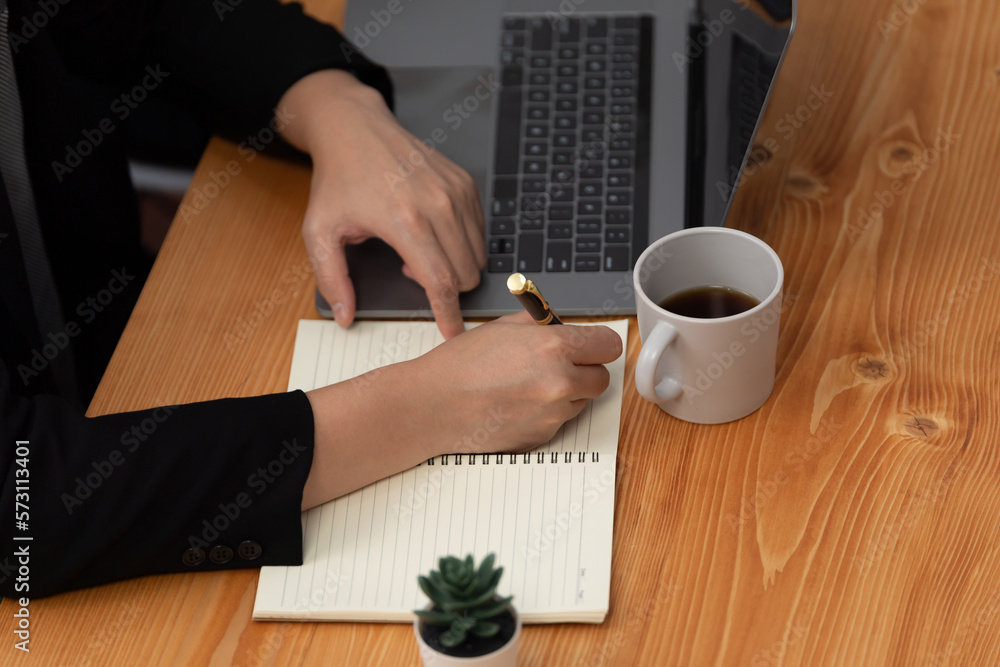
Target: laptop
x,y
591,128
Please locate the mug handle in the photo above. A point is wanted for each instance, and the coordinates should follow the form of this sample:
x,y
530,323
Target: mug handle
x,y
653,348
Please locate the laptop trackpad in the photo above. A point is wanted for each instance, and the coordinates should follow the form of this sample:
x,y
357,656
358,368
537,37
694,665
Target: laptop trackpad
x,y
448,109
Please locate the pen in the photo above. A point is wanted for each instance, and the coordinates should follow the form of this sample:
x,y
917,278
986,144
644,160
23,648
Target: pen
x,y
532,300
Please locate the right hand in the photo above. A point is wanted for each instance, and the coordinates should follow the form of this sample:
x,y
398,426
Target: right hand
x,y
506,386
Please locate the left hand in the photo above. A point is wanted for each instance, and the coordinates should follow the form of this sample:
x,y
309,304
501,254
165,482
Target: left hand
x,y
432,217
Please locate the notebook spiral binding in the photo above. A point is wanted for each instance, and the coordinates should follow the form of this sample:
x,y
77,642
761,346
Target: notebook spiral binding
x,y
510,459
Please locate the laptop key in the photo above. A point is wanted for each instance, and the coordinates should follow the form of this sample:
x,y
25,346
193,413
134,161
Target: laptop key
x,y
562,157
564,140
618,217
561,193
509,131
501,246
525,223
533,185
588,263
561,230
565,122
504,188
586,244
529,252
538,113
541,35
619,198
617,235
502,227
504,207
596,26
512,75
588,226
616,258
559,256
501,264
619,180
566,104
589,207
560,212
536,149
592,171
569,30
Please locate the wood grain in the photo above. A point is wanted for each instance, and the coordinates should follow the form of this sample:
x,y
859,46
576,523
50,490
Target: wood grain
x,y
853,520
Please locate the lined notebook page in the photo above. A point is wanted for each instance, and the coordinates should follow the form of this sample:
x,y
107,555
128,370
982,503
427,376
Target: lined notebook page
x,y
547,513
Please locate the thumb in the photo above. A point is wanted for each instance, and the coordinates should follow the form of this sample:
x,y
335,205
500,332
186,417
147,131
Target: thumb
x,y
334,283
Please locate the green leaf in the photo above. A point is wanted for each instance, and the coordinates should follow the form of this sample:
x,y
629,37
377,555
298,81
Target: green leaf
x,y
493,609
464,622
485,629
486,570
482,599
437,595
453,637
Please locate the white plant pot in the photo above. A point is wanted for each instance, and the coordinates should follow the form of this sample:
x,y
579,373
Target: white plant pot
x,y
505,656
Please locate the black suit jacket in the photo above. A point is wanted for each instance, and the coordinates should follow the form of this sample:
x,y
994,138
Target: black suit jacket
x,y
183,488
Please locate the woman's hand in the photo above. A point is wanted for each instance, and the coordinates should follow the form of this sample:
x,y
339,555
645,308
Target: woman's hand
x,y
367,184
505,386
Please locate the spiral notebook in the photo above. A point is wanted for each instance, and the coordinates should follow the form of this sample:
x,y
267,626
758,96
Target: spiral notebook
x,y
547,514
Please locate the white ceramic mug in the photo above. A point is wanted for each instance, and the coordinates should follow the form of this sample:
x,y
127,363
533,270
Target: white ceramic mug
x,y
707,370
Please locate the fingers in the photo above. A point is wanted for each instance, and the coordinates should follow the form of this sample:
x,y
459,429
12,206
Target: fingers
x,y
592,345
520,317
332,278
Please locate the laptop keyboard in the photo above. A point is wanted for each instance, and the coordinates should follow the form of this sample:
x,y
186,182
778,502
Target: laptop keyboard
x,y
571,178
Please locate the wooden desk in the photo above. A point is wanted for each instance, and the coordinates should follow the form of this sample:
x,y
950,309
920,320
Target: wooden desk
x,y
851,521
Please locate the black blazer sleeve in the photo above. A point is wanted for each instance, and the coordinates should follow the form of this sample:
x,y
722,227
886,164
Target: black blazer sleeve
x,y
188,488
237,56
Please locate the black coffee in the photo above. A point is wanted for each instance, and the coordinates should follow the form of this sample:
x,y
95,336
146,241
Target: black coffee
x,y
709,301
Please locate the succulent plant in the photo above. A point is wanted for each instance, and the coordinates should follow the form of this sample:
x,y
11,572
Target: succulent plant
x,y
464,598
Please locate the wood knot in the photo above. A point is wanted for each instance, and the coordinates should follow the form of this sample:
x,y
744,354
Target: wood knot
x,y
803,186
871,368
894,157
922,427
